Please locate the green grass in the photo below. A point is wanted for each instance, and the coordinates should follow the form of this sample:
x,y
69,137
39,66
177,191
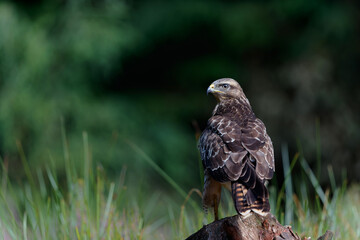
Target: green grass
x,y
87,205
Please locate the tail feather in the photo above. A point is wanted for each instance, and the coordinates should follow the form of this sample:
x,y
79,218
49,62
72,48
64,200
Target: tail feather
x,y
239,197
247,199
250,197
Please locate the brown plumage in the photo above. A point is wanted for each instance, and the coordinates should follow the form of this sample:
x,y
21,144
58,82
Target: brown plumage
x,y
235,149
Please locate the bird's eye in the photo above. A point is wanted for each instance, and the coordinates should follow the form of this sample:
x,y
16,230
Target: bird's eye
x,y
225,86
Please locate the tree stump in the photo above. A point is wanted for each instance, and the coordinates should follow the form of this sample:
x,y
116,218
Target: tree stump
x,y
253,227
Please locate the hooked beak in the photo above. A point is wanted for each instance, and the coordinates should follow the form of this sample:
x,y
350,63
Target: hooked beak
x,y
210,89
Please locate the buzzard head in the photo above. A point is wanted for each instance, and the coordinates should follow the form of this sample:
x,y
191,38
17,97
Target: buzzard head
x,y
226,88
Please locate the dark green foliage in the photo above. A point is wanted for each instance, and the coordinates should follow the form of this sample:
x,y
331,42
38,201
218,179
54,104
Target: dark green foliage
x,y
138,71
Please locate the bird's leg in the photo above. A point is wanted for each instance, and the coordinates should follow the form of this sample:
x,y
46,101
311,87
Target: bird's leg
x,y
216,205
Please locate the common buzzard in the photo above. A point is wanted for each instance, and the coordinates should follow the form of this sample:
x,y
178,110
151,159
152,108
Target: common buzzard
x,y
236,152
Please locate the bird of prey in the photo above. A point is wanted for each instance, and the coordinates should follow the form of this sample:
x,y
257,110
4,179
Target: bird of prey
x,y
236,152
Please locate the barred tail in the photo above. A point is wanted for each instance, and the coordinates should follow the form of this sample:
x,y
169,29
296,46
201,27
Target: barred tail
x,y
248,199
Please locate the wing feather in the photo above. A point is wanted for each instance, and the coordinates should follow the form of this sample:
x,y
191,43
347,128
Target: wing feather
x,y
258,143
221,149
224,145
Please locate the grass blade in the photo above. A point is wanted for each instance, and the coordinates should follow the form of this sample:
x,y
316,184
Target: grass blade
x,y
87,164
313,181
107,209
25,164
68,168
157,169
289,208
318,148
25,226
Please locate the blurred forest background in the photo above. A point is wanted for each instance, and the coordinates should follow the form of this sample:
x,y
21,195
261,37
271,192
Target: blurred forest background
x,y
138,71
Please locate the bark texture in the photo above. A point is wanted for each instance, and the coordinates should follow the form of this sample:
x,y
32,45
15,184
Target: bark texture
x,y
254,227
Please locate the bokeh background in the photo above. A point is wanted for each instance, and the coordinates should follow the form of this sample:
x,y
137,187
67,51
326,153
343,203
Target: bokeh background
x,y
138,71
